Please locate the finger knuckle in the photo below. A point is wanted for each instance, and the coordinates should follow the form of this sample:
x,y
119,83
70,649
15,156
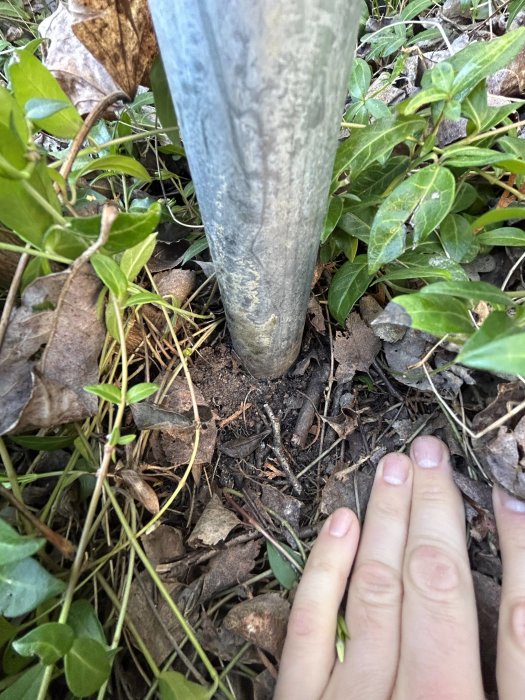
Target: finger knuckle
x,y
323,569
376,584
517,623
433,571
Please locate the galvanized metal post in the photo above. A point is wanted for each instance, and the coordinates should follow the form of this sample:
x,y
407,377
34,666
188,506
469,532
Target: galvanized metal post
x,y
258,87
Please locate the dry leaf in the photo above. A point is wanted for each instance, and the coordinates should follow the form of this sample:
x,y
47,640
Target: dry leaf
x,y
173,445
119,34
355,349
261,620
163,545
242,447
82,77
315,315
229,567
214,525
50,391
139,489
338,493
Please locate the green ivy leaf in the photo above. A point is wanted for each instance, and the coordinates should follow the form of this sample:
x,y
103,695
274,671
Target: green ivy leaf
x,y
456,236
41,108
366,146
87,667
24,585
50,642
480,59
139,392
31,80
134,258
107,392
509,236
282,569
84,622
27,686
360,78
349,284
470,156
110,274
425,199
428,313
115,165
333,214
498,346
494,216
15,547
174,686
471,291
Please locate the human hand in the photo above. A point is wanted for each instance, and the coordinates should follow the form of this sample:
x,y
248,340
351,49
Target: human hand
x,y
411,611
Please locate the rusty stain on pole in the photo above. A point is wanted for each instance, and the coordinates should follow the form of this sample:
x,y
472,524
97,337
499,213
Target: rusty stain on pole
x,y
258,87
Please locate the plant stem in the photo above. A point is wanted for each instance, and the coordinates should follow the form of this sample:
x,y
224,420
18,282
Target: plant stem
x,y
43,202
10,470
35,253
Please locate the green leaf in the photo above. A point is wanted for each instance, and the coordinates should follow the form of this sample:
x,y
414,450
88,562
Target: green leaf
x,y
133,259
50,642
425,198
195,248
357,221
41,108
110,274
333,214
126,439
15,547
414,8
24,585
471,291
107,392
456,236
163,102
31,80
360,78
174,686
87,667
84,622
366,146
349,284
21,212
496,215
128,229
145,297
470,156
282,569
428,313
115,165
466,195
139,392
27,686
480,59
42,442
509,236
376,178
498,346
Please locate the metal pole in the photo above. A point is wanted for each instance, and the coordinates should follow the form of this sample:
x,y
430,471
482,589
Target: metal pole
x,y
258,87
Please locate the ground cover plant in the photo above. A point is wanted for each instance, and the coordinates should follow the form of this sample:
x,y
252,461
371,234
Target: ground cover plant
x,y
156,499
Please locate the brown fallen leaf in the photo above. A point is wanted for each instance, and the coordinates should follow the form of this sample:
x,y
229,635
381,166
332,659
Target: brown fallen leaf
x,y
355,349
242,447
162,545
214,525
173,445
139,489
229,567
58,313
315,315
119,34
261,620
338,493
225,644
82,77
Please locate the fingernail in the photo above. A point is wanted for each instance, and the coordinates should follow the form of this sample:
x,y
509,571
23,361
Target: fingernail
x,y
395,469
427,452
516,505
340,523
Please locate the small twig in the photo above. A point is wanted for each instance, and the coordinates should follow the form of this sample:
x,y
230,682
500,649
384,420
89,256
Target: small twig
x,y
63,545
353,467
84,130
313,395
11,295
277,449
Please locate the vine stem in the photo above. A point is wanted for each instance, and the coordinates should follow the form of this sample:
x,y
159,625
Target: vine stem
x,y
102,472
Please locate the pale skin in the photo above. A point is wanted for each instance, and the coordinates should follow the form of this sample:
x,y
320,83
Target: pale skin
x,y
410,610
